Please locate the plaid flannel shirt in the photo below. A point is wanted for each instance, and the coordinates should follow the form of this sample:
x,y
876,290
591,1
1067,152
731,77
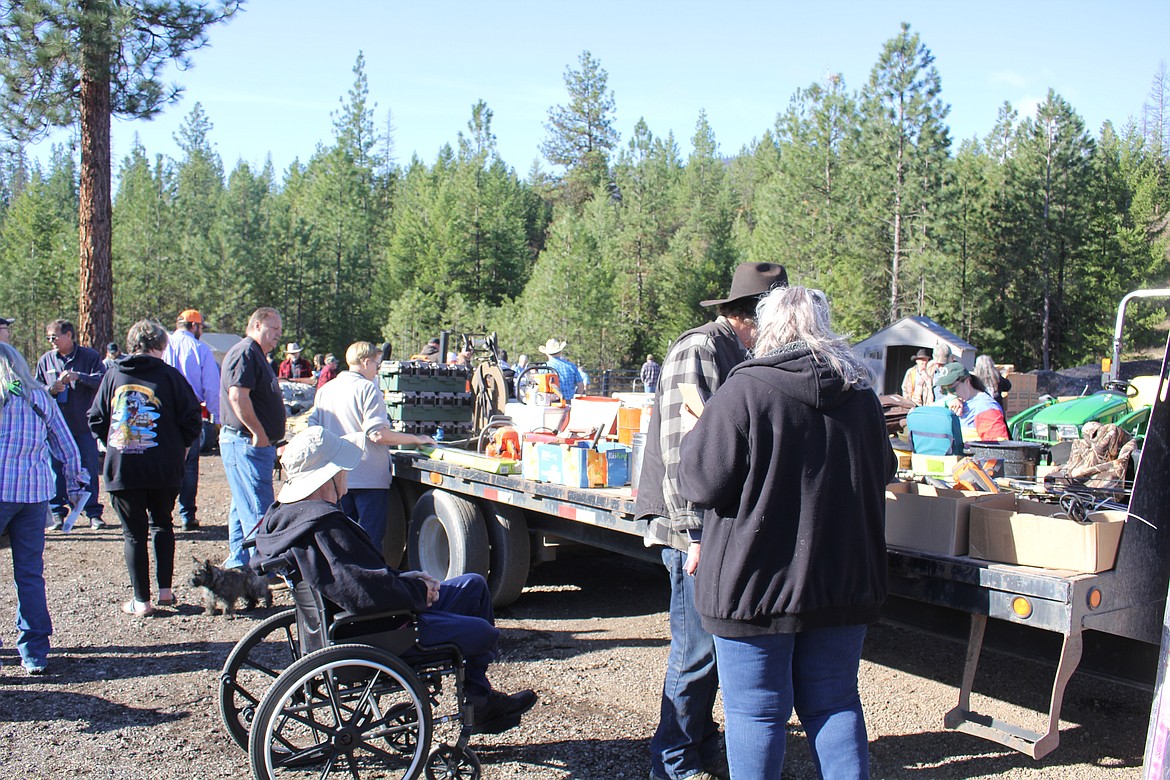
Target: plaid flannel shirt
x,y
691,360
26,473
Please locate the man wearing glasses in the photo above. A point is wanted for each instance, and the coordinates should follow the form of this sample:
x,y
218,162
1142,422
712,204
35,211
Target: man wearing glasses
x,y
72,374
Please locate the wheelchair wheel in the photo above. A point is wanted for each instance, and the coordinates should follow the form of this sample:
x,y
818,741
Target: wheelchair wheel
x,y
452,763
349,709
252,666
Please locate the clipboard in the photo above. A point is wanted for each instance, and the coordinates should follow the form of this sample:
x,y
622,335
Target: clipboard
x,y
692,399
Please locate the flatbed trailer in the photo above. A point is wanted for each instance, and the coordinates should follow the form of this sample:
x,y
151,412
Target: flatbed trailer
x,y
463,517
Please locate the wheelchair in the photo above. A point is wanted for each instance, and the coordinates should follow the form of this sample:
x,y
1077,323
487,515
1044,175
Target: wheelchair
x,y
313,691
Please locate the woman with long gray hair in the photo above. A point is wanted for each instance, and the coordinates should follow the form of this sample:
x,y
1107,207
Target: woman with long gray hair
x,y
147,415
31,429
791,459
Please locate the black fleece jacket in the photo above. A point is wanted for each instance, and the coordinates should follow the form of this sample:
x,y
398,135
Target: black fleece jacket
x,y
147,415
792,466
335,555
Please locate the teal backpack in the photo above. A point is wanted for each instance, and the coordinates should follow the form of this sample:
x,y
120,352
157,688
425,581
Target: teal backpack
x,y
934,430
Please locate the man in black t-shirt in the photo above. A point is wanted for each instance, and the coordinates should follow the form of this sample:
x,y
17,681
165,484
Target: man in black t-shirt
x,y
253,421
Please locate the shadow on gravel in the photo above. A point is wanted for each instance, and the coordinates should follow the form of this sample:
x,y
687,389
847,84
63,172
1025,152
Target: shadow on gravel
x,y
948,754
590,583
581,759
535,645
96,714
69,666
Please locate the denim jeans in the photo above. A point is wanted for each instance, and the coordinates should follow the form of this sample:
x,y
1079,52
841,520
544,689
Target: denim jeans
x,y
765,676
26,534
464,617
687,738
146,515
367,507
190,485
249,477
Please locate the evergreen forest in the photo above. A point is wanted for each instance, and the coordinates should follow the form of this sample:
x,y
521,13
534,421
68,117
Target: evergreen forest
x,y
1022,242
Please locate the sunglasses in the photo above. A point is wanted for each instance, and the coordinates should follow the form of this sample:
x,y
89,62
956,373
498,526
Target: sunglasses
x,y
54,336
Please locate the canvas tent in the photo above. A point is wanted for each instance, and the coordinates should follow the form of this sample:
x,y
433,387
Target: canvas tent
x,y
220,343
890,351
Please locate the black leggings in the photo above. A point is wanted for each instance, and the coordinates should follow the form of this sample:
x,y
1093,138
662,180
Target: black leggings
x,y
139,511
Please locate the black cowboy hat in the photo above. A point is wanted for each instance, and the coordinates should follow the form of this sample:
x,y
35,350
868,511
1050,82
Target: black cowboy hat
x,y
751,280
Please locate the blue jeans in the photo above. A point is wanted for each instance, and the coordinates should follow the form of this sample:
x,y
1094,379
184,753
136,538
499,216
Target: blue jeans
x,y
687,737
190,485
249,477
26,534
367,507
765,676
463,616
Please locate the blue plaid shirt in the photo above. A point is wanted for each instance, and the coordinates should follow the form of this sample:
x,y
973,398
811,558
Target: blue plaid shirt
x,y
26,473
569,375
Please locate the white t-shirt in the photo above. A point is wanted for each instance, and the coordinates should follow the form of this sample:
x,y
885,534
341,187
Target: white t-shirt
x,y
350,403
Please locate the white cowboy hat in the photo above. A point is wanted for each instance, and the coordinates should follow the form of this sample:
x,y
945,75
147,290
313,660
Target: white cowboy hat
x,y
313,457
292,348
553,347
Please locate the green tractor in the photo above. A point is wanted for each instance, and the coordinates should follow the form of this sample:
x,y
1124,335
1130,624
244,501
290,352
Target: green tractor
x,y
1127,404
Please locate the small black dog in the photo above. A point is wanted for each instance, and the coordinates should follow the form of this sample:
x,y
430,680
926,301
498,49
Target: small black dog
x,y
227,586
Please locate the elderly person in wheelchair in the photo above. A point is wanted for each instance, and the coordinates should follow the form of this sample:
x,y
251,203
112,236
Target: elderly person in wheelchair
x,y
336,557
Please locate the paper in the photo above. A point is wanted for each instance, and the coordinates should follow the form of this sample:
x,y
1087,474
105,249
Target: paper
x,y
82,500
691,397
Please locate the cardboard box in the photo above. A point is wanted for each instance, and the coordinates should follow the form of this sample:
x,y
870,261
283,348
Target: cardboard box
x,y
1022,395
928,518
582,467
550,463
1010,529
617,463
933,465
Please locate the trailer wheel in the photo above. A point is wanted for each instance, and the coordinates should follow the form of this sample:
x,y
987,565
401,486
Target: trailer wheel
x,y
447,536
394,541
510,552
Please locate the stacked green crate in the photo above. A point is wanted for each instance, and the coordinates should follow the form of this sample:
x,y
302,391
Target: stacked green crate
x,y
421,397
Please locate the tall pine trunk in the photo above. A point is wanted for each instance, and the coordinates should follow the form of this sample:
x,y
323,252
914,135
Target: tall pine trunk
x,y
95,307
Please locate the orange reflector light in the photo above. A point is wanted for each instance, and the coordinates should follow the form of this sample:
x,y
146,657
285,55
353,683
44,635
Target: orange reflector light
x,y
1022,607
435,478
1094,598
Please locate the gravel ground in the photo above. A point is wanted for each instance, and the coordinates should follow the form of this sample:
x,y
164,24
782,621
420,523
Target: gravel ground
x,y
137,698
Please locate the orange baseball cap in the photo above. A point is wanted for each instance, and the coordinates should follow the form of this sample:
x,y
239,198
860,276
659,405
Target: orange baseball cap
x,y
192,316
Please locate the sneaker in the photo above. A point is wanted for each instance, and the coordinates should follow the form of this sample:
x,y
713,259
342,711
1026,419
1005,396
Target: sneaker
x,y
189,525
500,712
35,668
97,524
57,524
703,774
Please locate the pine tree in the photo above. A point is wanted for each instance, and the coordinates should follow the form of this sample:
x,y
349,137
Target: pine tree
x,y
63,61
907,147
581,134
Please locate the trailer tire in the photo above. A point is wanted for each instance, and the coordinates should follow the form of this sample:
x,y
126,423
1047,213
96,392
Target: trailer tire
x,y
510,553
394,540
447,536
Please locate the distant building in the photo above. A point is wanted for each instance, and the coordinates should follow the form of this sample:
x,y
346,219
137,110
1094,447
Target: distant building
x,y
890,351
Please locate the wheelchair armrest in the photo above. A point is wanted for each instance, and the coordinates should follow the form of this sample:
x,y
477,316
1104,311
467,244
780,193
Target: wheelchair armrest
x,y
282,565
377,619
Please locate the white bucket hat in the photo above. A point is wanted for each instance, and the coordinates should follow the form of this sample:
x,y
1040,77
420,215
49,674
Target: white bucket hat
x,y
553,347
313,457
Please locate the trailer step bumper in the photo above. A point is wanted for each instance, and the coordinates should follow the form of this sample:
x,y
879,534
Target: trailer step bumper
x,y
1026,741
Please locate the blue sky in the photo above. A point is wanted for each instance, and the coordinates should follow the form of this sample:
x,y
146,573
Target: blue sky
x,y
271,77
